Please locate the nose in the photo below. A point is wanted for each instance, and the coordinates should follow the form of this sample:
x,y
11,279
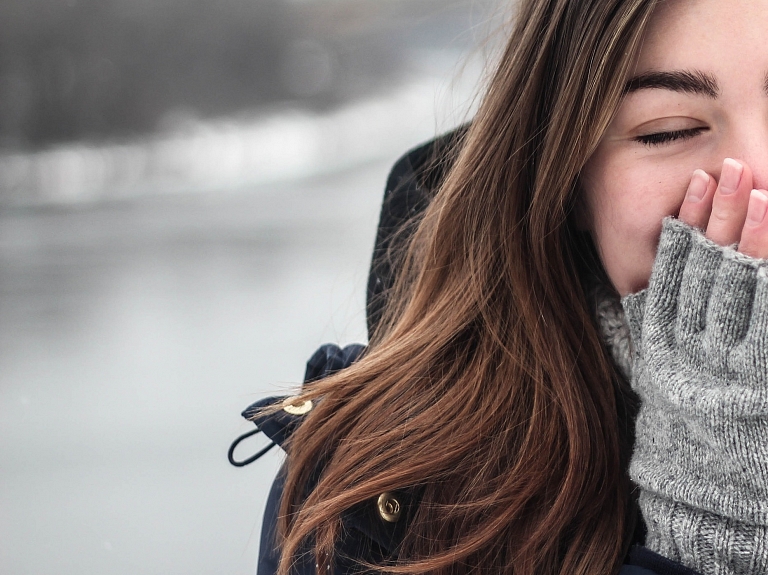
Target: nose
x,y
750,145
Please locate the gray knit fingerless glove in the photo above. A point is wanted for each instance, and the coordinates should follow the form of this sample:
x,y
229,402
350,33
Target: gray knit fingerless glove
x,y
700,337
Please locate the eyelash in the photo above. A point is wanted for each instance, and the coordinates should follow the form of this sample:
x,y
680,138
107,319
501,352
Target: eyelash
x,y
661,138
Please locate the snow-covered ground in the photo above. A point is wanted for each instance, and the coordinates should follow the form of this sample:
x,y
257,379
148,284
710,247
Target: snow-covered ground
x,y
132,335
151,290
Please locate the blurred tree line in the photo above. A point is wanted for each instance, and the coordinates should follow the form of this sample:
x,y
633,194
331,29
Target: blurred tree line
x,y
72,69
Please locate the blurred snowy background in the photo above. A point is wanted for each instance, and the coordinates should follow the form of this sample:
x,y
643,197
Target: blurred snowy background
x,y
189,193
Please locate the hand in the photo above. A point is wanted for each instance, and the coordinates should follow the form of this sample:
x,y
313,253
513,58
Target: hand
x,y
700,337
730,211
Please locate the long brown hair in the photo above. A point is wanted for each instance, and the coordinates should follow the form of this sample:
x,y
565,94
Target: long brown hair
x,y
487,388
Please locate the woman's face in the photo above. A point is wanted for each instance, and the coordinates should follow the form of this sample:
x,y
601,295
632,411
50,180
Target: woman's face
x,y
699,95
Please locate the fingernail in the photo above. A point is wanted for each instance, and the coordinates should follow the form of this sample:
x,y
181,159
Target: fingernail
x,y
697,189
758,205
730,176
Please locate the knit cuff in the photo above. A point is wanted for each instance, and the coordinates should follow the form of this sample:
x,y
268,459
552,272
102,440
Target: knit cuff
x,y
707,542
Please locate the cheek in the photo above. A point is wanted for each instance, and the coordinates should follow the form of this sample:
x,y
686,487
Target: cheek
x,y
626,203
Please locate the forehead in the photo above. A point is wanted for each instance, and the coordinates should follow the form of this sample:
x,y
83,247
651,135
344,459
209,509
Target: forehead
x,y
711,35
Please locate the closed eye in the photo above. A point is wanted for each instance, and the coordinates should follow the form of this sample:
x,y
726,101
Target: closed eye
x,y
661,138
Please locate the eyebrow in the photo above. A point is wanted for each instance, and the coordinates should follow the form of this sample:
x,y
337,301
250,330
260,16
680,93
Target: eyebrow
x,y
689,82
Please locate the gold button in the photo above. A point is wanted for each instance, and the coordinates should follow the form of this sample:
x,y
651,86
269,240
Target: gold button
x,y
389,507
295,406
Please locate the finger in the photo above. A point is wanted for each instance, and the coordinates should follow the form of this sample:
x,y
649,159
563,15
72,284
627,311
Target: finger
x,y
698,278
754,236
728,314
729,205
697,204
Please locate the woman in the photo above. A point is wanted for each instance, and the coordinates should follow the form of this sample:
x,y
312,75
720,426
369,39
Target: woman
x,y
489,425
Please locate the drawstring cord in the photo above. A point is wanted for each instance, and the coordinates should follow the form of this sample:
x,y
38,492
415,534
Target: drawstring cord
x,y
238,441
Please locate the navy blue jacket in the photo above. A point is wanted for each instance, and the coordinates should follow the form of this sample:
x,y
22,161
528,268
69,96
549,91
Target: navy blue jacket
x,y
367,536
371,533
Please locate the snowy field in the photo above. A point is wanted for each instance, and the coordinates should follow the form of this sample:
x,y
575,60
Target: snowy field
x,y
132,335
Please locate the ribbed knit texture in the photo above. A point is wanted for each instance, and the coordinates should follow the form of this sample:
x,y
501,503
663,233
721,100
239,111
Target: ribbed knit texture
x,y
700,338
